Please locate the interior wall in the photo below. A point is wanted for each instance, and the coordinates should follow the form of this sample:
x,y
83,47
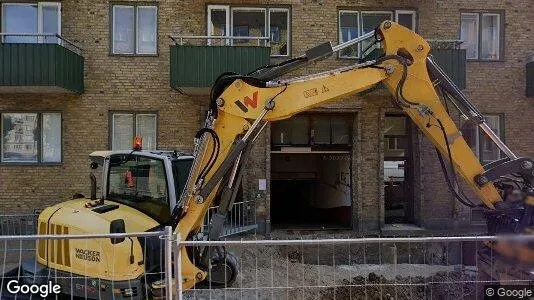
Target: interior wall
x,y
333,181
330,171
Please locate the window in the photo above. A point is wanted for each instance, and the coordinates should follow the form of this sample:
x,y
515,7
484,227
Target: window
x,y
250,22
31,138
140,182
481,35
126,126
479,142
395,136
37,18
353,24
134,29
318,130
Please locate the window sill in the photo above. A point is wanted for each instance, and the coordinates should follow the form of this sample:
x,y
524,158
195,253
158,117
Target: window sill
x,y
486,60
26,164
133,55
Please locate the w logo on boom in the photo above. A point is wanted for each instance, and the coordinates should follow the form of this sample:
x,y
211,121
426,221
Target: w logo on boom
x,y
247,102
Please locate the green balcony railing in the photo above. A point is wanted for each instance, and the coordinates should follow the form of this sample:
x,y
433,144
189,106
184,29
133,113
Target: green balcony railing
x,y
447,55
33,64
194,68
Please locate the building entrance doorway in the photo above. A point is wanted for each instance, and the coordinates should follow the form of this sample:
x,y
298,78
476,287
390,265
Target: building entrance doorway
x,y
398,170
311,172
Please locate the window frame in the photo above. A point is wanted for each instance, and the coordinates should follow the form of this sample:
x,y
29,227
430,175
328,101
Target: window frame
x,y
311,118
394,13
135,6
134,131
39,139
340,33
479,143
288,35
40,5
226,9
267,9
407,12
480,14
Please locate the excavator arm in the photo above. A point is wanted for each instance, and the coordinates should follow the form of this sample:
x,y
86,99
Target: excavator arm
x,y
243,104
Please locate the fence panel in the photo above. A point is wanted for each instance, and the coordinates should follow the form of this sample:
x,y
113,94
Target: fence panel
x,y
369,268
109,274
240,219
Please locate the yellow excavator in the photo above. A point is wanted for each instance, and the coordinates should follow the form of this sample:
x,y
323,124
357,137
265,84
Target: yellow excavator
x,y
144,190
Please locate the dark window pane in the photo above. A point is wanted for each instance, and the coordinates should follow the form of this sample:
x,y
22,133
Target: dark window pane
x,y
340,131
248,22
321,130
300,129
490,151
349,29
406,20
395,125
281,132
180,170
279,31
370,21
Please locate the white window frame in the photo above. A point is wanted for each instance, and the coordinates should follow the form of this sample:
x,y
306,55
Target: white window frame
x,y
135,126
251,9
113,29
500,31
498,36
135,29
477,15
155,8
357,13
370,12
226,9
394,14
230,23
39,122
39,17
279,9
478,143
407,12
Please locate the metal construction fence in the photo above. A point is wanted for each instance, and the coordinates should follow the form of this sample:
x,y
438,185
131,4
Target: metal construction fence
x,y
459,267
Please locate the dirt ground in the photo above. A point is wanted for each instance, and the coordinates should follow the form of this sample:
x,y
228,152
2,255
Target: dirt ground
x,y
281,272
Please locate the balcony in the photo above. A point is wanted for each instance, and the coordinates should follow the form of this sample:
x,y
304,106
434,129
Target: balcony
x,y
40,63
194,68
446,53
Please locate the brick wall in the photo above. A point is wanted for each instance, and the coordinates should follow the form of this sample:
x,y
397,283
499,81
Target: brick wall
x,y
142,84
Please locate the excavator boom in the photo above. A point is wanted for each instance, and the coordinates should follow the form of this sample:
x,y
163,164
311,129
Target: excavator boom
x,y
242,105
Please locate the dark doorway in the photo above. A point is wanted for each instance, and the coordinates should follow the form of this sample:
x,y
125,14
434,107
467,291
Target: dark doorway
x,y
311,172
310,191
398,170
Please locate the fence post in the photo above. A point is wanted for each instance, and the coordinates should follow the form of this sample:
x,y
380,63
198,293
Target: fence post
x,y
178,266
168,262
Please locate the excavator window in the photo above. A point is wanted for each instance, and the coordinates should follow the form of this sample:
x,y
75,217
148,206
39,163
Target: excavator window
x,y
180,172
140,182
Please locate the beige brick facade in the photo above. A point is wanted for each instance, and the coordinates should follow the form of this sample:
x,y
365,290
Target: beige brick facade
x,y
121,83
